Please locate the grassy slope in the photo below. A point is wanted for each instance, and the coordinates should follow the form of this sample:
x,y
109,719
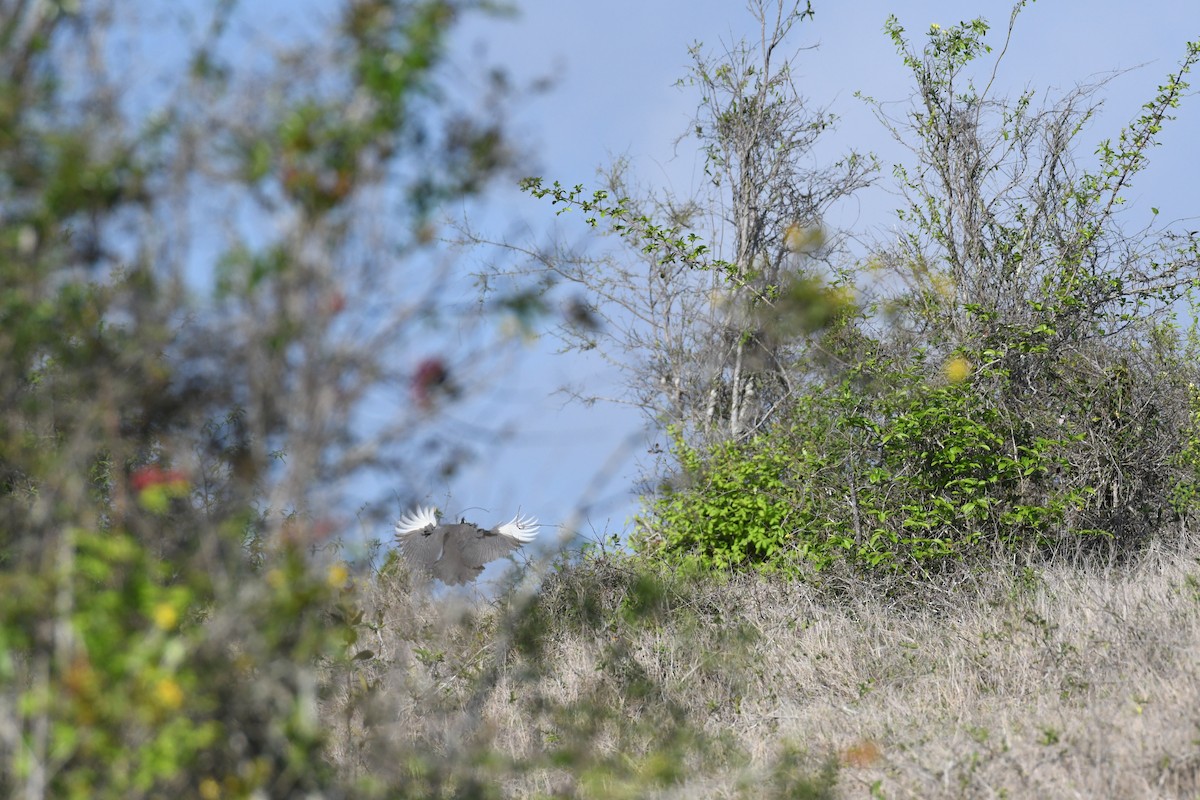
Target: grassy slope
x,y
1054,683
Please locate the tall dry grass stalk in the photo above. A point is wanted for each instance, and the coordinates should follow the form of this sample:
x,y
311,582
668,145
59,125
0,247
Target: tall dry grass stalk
x,y
615,682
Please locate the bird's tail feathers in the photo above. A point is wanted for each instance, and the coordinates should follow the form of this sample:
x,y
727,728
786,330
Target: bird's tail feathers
x,y
523,529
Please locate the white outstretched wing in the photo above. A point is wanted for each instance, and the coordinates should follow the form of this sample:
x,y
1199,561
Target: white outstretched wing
x,y
419,518
420,537
478,546
523,529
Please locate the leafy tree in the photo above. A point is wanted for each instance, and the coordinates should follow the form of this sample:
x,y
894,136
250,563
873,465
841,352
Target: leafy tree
x,y
1016,378
1021,257
707,336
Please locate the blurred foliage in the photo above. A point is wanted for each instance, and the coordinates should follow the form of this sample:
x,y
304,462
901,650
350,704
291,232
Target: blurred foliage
x,y
167,592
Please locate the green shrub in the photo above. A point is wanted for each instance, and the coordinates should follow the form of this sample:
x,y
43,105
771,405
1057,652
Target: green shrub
x,y
735,507
903,474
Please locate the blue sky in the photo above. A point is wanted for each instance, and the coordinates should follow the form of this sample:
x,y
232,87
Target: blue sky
x,y
614,66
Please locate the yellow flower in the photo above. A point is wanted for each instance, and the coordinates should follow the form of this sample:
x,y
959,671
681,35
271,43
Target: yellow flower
x,y
957,369
275,578
168,693
165,616
943,286
210,789
803,238
336,578
935,27
840,297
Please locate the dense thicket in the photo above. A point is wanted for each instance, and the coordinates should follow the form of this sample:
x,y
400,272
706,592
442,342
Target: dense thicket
x,y
1020,371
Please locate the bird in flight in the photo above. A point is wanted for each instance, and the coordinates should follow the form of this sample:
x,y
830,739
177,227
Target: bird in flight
x,y
457,553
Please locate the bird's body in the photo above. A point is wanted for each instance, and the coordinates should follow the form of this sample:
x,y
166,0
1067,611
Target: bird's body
x,y
457,553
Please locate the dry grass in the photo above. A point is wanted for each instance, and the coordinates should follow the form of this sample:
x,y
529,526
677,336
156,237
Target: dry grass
x,y
1058,682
